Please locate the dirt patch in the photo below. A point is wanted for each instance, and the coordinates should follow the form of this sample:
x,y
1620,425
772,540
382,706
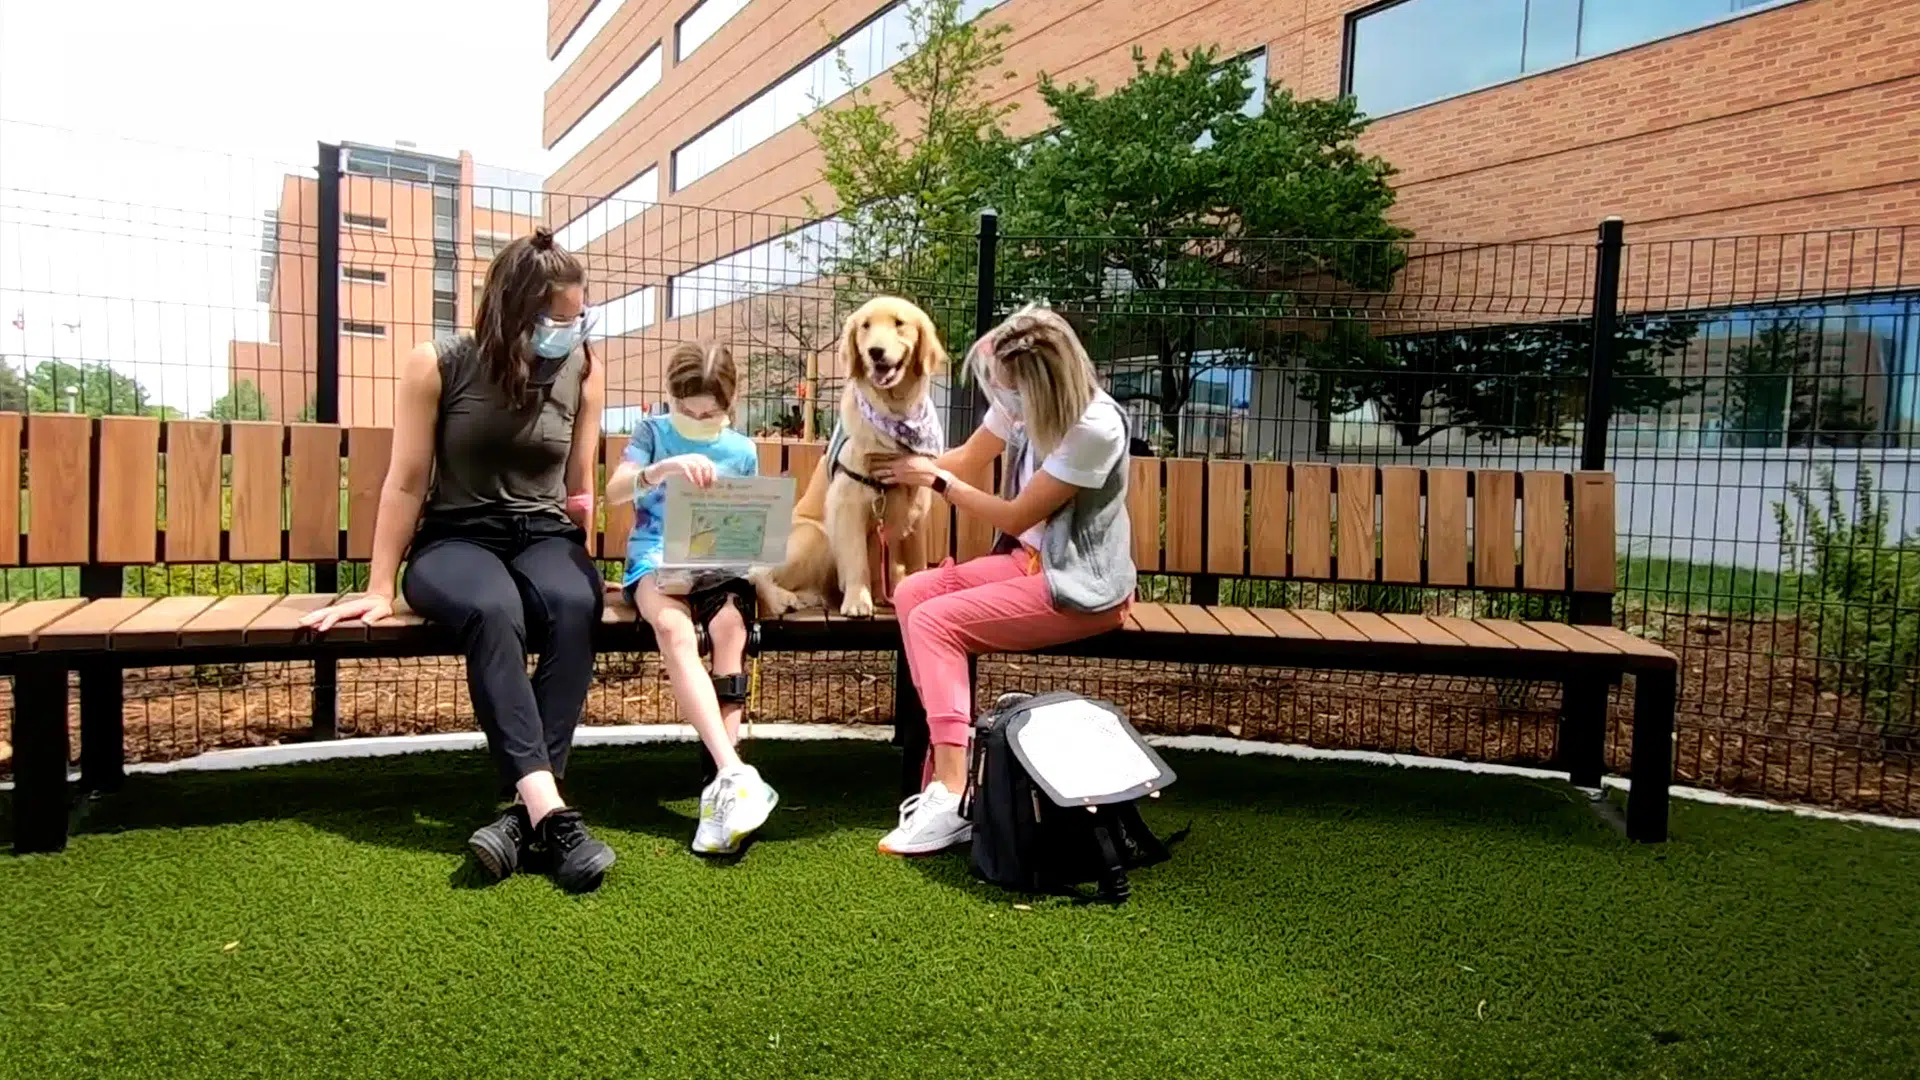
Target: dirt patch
x,y
1754,715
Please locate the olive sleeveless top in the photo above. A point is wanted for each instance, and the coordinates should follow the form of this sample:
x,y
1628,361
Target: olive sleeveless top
x,y
490,456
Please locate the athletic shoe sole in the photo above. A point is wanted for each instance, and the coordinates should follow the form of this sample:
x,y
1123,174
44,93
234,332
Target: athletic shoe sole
x,y
493,854
736,836
588,878
928,847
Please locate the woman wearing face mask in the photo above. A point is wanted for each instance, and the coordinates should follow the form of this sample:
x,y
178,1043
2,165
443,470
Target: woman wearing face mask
x,y
488,498
693,441
1062,564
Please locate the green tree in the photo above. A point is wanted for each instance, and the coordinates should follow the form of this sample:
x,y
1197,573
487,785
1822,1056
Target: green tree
x,y
1778,389
911,172
1496,382
242,401
1168,192
13,388
93,388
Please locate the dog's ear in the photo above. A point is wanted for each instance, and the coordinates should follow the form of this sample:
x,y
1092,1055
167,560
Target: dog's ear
x,y
850,361
927,350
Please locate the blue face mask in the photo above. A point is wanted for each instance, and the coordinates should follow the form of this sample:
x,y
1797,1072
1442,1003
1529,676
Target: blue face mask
x,y
555,342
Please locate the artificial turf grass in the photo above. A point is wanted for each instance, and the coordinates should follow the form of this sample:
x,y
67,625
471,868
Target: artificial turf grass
x,y
1322,920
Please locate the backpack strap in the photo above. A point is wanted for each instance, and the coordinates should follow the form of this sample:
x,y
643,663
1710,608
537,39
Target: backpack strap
x,y
1114,887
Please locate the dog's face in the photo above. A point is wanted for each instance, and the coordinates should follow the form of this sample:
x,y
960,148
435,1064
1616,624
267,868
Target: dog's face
x,y
890,345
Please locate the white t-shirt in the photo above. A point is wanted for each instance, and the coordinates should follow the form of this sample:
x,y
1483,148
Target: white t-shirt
x,y
1085,456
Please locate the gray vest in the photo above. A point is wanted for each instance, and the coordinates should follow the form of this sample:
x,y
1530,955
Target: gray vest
x,y
489,455
1087,545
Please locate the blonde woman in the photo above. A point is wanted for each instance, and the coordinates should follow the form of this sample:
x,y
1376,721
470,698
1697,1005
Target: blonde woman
x,y
1061,568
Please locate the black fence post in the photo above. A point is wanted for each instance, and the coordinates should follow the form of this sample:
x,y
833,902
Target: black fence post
x,y
1606,318
103,724
326,401
983,307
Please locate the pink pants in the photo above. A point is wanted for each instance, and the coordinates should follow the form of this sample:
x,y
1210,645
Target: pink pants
x,y
996,603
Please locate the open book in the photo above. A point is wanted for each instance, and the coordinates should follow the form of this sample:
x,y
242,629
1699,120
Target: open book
x,y
720,532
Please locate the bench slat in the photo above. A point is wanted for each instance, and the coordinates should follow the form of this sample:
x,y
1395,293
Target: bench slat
x,y
1156,619
1143,511
1195,619
129,458
1357,557
1267,549
1313,522
10,428
1226,517
59,478
1628,643
254,535
313,492
226,621
1285,624
369,450
88,627
1543,530
1594,557
280,624
613,538
1521,635
1240,622
158,625
1471,633
18,624
1328,625
1400,524
1447,527
1186,480
1495,565
1424,630
1377,629
1571,638
193,491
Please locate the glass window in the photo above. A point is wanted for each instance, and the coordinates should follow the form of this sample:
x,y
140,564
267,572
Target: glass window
x,y
362,329
630,201
364,221
443,281
869,52
780,263
639,79
1421,51
623,315
364,274
703,22
583,34
488,244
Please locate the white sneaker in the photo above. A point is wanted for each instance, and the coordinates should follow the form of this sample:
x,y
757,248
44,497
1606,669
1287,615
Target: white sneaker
x,y
929,822
735,804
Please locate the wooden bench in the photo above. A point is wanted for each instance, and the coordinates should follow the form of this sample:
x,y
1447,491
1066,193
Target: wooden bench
x,y
117,492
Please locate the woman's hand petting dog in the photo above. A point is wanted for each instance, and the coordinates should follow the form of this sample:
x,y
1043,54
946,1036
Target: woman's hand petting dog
x,y
909,470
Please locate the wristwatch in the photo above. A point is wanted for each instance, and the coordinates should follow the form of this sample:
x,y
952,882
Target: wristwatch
x,y
940,483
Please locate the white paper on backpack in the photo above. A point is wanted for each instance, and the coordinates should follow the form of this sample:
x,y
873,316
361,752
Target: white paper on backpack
x,y
1083,751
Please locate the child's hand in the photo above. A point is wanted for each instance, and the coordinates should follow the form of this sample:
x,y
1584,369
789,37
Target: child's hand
x,y
697,468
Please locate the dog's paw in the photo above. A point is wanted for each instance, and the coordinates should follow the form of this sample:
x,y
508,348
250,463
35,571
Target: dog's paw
x,y
858,603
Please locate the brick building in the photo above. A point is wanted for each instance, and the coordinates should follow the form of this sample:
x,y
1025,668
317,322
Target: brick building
x,y
417,231
1511,121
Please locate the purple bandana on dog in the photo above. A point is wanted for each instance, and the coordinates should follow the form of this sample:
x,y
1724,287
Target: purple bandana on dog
x,y
919,432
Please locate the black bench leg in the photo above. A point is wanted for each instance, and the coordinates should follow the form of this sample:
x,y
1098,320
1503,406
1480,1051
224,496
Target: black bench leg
x,y
1583,730
103,728
40,804
909,727
1653,706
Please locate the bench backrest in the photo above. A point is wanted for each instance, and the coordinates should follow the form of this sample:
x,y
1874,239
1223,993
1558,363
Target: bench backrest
x,y
133,490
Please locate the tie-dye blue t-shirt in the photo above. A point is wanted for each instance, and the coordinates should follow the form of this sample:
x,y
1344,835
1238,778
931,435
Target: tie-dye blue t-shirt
x,y
654,439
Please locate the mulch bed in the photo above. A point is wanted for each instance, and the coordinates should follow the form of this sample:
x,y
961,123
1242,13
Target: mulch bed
x,y
1754,716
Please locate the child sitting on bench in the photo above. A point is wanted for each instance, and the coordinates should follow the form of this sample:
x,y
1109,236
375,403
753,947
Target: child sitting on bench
x,y
693,441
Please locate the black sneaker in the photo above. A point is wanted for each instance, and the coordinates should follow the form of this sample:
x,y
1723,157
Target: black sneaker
x,y
499,845
578,861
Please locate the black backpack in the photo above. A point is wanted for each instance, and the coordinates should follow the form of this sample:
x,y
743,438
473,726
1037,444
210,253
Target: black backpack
x,y
1030,838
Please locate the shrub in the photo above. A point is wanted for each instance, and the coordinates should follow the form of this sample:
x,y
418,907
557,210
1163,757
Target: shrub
x,y
1860,592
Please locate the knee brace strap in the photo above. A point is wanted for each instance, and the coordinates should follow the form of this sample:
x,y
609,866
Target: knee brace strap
x,y
731,689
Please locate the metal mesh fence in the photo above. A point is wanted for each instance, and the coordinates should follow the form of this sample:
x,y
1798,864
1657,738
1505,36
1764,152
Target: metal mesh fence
x,y
1759,415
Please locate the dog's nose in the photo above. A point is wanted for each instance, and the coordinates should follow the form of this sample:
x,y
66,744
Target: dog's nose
x,y
877,353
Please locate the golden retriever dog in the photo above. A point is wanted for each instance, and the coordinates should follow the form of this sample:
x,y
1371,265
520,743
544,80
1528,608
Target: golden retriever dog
x,y
889,353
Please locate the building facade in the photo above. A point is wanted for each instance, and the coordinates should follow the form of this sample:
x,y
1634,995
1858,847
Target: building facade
x,y
417,231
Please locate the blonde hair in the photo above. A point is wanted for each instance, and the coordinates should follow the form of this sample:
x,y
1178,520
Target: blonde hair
x,y
706,367
1043,357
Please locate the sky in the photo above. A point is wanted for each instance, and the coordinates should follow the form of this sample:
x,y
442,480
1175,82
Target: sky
x,y
141,142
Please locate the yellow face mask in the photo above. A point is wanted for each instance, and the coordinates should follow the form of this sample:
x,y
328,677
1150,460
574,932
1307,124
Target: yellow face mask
x,y
692,430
